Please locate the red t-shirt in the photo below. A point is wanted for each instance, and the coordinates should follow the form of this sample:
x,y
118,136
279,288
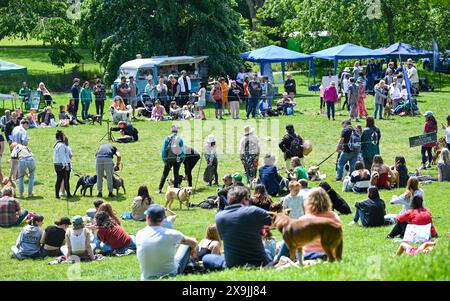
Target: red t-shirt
x,y
115,236
419,217
430,127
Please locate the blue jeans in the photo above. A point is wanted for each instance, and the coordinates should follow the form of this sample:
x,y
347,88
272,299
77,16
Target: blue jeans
x,y
182,257
252,106
330,107
359,214
24,164
269,101
105,248
284,251
343,159
424,150
21,218
378,107
85,110
217,262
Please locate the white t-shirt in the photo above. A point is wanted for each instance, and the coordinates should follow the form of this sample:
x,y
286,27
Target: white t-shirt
x,y
447,135
156,248
413,75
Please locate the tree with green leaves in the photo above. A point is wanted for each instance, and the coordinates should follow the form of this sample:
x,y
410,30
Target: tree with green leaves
x,y
117,30
45,20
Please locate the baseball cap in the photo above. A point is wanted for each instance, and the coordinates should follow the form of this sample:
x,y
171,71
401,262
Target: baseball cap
x,y
428,114
77,220
237,177
156,212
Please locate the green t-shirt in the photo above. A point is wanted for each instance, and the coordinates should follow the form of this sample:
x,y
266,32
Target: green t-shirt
x,y
301,173
24,91
86,95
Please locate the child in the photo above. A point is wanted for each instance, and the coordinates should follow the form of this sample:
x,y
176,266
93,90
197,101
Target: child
x,y
186,113
261,198
78,241
404,93
54,237
64,119
210,244
158,111
28,244
293,201
371,211
198,112
425,248
400,167
211,158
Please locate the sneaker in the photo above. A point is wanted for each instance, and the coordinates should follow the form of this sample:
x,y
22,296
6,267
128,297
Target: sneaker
x,y
99,195
429,165
422,167
30,195
110,195
338,179
158,191
57,197
352,223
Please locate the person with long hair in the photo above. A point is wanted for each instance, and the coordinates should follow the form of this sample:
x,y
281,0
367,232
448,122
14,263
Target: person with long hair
x,y
86,99
61,161
141,203
119,104
358,181
78,240
47,96
429,127
112,236
54,237
361,105
201,98
444,166
210,244
28,244
380,173
416,215
370,142
371,212
261,198
106,207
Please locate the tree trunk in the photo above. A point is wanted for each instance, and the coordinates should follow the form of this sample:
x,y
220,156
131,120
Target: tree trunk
x,y
253,6
389,15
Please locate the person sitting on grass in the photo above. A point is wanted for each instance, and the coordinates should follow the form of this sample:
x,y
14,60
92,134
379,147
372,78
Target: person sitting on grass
x,y
416,215
383,172
412,190
358,181
298,171
210,244
158,112
28,244
293,201
285,106
92,211
11,214
141,203
64,118
239,226
111,235
261,198
161,251
236,180
371,211
78,240
270,178
54,237
424,248
106,207
444,166
400,167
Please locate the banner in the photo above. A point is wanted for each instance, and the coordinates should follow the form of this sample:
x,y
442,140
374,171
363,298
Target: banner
x,y
422,139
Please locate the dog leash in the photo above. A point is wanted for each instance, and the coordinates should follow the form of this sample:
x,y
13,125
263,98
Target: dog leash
x,y
323,161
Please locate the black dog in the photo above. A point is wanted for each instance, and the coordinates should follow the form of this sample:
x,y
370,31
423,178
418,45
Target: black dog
x,y
85,182
118,183
339,204
94,118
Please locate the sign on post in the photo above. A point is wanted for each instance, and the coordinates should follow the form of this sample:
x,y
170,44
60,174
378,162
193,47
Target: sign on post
x,y
422,139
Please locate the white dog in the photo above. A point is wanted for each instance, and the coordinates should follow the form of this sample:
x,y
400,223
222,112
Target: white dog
x,y
121,115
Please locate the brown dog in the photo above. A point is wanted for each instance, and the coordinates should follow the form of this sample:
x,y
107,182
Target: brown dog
x,y
298,233
388,109
437,150
181,194
394,180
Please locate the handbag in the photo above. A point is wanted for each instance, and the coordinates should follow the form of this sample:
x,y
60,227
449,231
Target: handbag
x,y
417,233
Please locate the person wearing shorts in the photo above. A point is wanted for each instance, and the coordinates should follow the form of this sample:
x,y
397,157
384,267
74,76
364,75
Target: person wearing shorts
x,y
217,96
133,94
201,96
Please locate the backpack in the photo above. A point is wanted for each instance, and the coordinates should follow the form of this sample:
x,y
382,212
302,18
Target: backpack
x,y
171,146
249,149
354,144
296,146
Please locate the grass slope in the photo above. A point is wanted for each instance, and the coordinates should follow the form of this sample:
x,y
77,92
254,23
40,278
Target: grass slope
x,y
367,255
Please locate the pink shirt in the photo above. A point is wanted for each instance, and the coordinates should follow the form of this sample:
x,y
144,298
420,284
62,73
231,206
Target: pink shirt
x,y
158,112
330,94
316,246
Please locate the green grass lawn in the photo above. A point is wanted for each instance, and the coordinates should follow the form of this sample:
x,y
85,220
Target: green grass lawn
x,y
367,254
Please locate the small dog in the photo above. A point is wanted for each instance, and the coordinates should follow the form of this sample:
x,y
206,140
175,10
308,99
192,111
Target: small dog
x,y
121,115
85,182
118,183
300,232
314,174
181,194
253,183
388,109
394,181
94,118
437,150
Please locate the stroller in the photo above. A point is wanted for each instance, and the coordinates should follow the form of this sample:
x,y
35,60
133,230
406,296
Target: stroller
x,y
146,111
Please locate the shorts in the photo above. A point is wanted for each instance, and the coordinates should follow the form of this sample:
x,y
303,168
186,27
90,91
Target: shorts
x,y
133,102
218,105
201,103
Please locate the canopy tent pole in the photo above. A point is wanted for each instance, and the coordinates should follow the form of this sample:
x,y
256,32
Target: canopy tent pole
x,y
335,65
309,72
283,70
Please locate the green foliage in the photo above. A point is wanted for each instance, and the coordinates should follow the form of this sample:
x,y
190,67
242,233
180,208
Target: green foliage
x,y
120,29
45,20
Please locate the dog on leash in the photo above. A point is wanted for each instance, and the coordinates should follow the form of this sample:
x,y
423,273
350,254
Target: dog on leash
x,y
94,118
437,150
121,115
388,109
118,183
181,194
85,182
394,179
298,233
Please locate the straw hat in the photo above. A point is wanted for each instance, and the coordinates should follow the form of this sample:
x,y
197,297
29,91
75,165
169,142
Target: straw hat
x,y
248,130
211,138
307,147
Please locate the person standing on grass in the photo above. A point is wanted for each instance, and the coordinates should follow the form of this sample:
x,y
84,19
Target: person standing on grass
x,y
173,154
225,88
234,99
192,157
249,151
291,145
361,105
75,90
105,164
211,158
22,159
133,94
185,87
255,90
86,99
353,99
347,154
162,251
217,96
61,161
429,127
330,96
2,149
447,132
380,97
123,90
290,86
11,213
201,98
370,142
345,85
19,133
239,226
100,97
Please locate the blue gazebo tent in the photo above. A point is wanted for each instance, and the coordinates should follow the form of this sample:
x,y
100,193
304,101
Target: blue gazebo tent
x,y
273,54
345,51
404,51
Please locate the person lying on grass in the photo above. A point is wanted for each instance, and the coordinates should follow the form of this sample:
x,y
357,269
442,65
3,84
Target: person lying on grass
x,y
408,249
